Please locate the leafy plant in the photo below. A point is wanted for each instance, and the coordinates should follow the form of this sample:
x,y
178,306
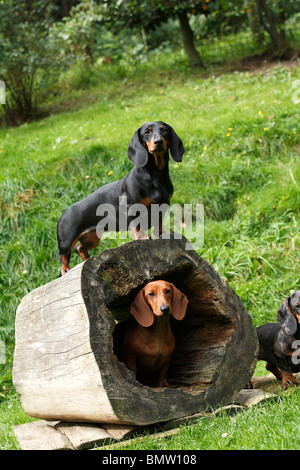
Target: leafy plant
x,y
24,26
75,36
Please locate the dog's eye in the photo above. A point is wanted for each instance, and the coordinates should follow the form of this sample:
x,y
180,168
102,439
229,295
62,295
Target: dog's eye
x,y
147,132
151,294
168,291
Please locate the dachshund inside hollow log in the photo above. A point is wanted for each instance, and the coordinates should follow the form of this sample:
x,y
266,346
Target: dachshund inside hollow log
x,y
149,342
147,183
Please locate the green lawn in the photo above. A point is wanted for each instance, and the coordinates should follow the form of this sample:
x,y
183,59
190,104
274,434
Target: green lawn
x,y
241,134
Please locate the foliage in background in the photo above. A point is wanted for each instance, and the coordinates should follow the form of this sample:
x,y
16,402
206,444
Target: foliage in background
x,y
40,40
76,36
147,15
24,28
272,16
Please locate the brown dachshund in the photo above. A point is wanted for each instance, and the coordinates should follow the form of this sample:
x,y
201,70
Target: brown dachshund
x,y
149,342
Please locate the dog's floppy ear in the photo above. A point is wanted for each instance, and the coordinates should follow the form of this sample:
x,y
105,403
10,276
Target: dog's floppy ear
x,y
176,147
141,311
286,318
137,153
179,304
294,303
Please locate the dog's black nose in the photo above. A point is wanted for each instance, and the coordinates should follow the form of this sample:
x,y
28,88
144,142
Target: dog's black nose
x,y
158,141
165,309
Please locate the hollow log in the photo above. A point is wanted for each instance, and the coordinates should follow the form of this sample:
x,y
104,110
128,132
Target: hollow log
x,y
68,351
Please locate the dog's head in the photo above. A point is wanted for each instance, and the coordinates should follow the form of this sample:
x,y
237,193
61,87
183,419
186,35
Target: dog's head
x,y
159,298
288,314
154,138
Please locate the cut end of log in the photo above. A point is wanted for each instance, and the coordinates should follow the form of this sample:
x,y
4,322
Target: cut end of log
x,y
214,357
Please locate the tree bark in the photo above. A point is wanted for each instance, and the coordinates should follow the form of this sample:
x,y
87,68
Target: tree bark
x,y
188,40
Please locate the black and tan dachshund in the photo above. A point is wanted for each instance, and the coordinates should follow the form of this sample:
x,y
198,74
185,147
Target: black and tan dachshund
x,y
147,183
279,342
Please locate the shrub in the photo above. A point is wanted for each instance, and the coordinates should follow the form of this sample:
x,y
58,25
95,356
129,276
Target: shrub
x,y
24,27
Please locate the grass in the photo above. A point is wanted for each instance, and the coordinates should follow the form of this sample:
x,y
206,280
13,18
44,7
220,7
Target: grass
x,y
274,425
241,134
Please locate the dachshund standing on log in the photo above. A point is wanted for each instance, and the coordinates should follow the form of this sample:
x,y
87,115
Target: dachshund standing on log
x,y
147,183
278,342
149,342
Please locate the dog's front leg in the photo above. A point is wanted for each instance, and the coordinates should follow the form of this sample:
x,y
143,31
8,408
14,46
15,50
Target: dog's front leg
x,y
137,233
162,380
287,380
130,361
159,229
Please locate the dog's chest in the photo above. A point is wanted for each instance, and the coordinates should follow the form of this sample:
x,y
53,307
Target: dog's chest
x,y
160,194
159,189
156,352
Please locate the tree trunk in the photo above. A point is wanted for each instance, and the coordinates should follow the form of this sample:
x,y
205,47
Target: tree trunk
x,y
274,27
68,354
254,22
188,40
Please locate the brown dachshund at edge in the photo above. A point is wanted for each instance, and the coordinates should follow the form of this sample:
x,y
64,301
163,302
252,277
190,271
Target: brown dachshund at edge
x,y
149,342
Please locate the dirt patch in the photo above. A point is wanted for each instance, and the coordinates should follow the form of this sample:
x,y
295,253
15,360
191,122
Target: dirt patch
x,y
262,63
27,195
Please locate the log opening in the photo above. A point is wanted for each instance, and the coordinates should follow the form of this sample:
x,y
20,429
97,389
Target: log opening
x,y
200,337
